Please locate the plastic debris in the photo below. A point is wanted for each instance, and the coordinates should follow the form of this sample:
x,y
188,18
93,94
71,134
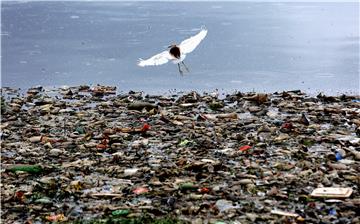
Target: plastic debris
x,y
56,218
188,186
332,192
184,143
33,169
204,190
332,212
284,213
140,190
131,172
224,205
338,156
92,156
245,148
121,212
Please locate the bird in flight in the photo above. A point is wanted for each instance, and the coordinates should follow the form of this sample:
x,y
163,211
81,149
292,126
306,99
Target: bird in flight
x,y
176,53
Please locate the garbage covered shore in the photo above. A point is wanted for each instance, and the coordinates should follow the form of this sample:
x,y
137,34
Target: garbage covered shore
x,y
88,155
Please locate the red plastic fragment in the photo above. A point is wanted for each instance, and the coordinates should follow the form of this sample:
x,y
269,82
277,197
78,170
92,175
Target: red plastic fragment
x,y
245,148
204,190
145,127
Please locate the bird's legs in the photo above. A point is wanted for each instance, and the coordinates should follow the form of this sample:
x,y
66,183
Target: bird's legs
x,y
185,66
180,71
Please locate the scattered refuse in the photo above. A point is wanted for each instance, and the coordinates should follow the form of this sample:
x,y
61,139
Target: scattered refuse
x,y
87,154
332,192
33,169
122,212
56,218
283,213
224,205
245,148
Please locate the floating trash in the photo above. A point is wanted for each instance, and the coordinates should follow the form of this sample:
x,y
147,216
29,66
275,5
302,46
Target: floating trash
x,y
332,192
85,154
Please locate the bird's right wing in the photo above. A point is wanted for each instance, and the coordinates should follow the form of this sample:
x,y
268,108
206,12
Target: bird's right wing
x,y
157,59
191,43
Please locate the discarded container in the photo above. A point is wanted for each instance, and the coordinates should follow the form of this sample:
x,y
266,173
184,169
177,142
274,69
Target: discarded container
x,y
33,169
332,192
188,186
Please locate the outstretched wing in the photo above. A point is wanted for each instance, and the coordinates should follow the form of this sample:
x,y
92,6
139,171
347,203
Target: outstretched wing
x,y
190,44
157,59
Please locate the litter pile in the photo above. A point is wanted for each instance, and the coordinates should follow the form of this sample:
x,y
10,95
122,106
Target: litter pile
x,y
85,154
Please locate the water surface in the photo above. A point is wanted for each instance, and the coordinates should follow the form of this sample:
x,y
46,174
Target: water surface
x,y
250,46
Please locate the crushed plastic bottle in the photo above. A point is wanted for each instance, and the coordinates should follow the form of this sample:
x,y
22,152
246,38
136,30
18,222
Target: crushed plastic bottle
x,y
224,205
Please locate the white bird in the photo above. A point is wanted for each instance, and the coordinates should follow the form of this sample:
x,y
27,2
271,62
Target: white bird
x,y
177,53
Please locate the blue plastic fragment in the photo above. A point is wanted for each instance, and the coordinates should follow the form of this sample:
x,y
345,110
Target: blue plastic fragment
x,y
338,156
332,211
356,101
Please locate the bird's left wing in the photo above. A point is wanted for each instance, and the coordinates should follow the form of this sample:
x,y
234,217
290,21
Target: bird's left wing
x,y
191,43
157,59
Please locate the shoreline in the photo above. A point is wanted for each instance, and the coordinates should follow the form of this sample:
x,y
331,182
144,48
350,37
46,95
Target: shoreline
x,y
87,153
167,92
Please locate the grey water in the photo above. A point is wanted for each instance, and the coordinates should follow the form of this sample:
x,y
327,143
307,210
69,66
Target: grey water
x,y
263,47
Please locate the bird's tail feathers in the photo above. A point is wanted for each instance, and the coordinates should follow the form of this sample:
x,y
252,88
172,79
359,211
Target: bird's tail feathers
x,y
140,62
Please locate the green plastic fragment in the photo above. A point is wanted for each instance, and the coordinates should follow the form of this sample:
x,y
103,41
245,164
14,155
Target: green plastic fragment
x,y
121,212
184,143
33,169
187,186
